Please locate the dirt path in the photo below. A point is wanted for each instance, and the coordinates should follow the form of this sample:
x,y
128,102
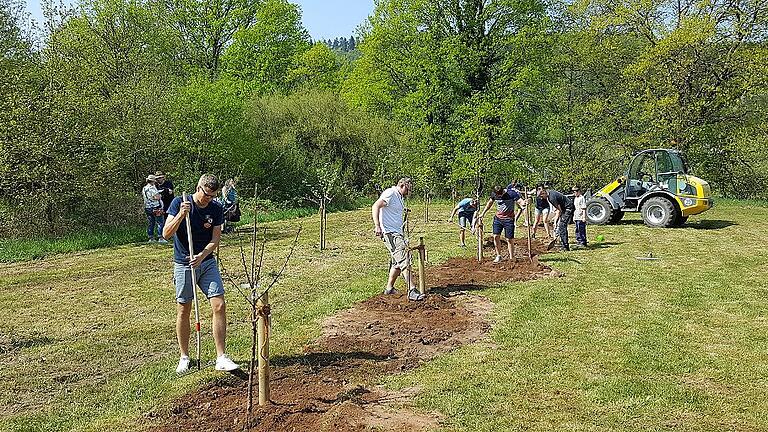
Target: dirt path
x,y
331,387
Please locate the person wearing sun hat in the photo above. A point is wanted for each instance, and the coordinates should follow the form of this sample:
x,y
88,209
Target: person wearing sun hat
x,y
153,209
165,187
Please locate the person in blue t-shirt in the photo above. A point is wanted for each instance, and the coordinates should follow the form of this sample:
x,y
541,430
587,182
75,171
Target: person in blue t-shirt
x,y
504,220
206,217
466,209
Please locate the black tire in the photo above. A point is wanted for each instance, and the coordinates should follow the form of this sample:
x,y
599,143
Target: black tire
x,y
659,212
680,220
616,216
599,211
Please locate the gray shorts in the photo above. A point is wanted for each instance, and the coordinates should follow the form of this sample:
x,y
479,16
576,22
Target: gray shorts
x,y
208,279
397,248
465,220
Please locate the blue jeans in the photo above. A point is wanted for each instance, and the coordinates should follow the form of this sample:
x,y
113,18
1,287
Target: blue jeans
x,y
153,220
581,232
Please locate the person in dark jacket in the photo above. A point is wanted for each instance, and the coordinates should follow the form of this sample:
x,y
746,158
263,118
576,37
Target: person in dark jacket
x,y
564,209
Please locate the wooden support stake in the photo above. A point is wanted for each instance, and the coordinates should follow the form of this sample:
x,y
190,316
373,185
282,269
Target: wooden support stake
x,y
264,325
252,366
422,273
322,223
480,241
528,223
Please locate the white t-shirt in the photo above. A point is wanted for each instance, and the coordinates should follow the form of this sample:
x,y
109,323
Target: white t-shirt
x,y
391,215
149,191
581,208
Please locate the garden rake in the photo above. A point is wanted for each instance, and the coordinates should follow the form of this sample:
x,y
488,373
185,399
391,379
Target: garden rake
x,y
194,285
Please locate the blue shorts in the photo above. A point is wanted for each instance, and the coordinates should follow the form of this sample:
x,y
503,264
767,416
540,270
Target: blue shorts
x,y
208,278
507,225
465,219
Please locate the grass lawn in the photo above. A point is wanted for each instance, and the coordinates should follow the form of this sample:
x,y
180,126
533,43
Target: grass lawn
x,y
25,249
87,340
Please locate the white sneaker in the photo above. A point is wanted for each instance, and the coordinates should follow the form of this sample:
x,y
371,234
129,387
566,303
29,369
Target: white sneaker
x,y
497,259
151,241
224,363
414,295
183,365
162,241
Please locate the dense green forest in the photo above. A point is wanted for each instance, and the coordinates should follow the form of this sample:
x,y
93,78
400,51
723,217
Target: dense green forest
x,y
444,91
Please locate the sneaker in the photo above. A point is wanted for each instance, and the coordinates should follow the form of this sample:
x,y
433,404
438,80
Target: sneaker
x,y
183,365
151,241
462,245
390,291
162,241
415,295
497,259
224,363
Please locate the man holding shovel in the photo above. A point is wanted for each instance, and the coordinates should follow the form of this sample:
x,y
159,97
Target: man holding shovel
x,y
206,218
387,213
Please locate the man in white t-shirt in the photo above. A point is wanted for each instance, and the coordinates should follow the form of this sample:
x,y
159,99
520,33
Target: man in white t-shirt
x,y
387,213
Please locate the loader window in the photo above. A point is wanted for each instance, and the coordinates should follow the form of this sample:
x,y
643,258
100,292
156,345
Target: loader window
x,y
641,175
666,172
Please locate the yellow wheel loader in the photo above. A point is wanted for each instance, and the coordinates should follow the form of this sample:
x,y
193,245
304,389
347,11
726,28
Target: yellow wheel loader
x,y
657,185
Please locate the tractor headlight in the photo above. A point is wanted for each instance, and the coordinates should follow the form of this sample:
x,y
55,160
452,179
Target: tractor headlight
x,y
689,202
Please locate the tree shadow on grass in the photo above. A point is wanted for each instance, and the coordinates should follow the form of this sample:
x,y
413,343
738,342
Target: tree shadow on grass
x,y
705,224
600,245
325,359
549,259
710,224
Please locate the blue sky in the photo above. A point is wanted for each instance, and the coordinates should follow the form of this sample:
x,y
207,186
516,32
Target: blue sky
x,y
323,18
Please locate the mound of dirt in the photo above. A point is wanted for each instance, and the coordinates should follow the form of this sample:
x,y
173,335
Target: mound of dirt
x,y
329,388
467,273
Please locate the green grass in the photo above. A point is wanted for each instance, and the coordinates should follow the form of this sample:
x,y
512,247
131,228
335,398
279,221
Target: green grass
x,y
13,250
617,344
24,249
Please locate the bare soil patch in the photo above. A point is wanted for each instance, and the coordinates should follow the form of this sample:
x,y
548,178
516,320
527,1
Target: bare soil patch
x,y
461,273
332,386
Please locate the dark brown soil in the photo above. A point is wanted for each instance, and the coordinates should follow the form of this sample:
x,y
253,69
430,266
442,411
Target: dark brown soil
x,y
459,274
331,387
538,246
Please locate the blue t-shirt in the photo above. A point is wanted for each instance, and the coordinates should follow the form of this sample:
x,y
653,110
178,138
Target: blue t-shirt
x,y
465,206
505,203
203,220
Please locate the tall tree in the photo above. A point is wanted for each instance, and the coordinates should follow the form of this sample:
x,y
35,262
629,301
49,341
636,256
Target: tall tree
x,y
263,54
207,27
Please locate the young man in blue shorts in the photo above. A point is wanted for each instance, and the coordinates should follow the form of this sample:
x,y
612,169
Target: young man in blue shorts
x,y
466,208
206,218
504,220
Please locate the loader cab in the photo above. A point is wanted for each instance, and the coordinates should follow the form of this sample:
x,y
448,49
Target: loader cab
x,y
652,170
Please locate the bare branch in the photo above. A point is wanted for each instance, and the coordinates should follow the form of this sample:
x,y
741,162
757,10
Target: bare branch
x,y
285,264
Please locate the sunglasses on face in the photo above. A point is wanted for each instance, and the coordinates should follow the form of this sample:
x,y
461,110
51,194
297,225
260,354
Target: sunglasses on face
x,y
213,195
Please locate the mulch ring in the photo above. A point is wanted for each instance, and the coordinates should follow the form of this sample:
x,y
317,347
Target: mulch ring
x,y
331,387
